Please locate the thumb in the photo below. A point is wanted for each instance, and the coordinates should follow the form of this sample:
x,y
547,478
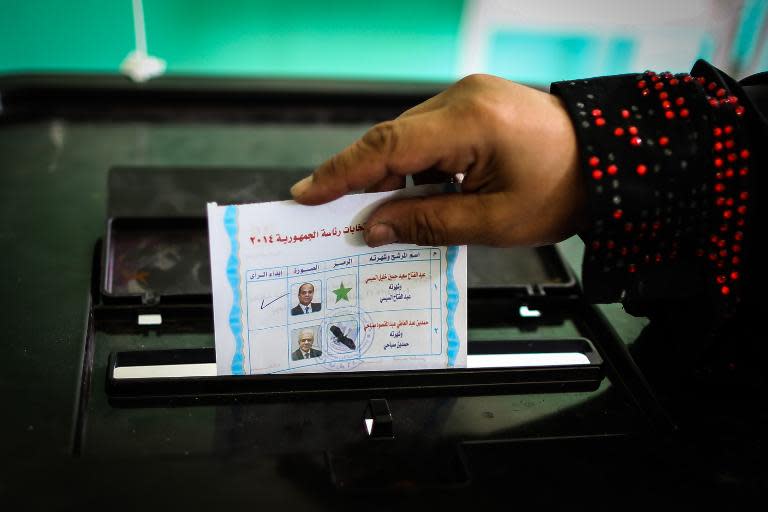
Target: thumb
x,y
451,219
387,153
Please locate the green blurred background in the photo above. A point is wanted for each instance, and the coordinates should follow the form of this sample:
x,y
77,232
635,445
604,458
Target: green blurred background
x,y
395,40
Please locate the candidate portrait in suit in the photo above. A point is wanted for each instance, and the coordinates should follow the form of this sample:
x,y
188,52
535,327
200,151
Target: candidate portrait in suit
x,y
305,305
305,340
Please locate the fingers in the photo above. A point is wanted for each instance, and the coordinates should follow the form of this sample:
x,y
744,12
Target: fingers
x,y
389,182
429,105
451,219
394,148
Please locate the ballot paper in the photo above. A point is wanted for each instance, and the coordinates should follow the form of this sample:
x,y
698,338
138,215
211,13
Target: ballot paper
x,y
296,289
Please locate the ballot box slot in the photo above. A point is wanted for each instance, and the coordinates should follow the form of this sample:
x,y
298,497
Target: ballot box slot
x,y
502,367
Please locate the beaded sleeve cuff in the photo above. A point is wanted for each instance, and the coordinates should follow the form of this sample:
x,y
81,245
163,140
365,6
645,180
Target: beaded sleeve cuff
x,y
667,165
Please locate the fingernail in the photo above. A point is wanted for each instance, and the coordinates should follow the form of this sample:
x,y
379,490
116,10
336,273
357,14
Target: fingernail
x,y
380,234
301,186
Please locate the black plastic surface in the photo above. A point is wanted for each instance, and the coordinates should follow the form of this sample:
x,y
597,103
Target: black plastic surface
x,y
60,136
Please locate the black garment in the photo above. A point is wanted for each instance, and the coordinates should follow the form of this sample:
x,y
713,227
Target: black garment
x,y
660,241
298,355
299,309
675,170
674,167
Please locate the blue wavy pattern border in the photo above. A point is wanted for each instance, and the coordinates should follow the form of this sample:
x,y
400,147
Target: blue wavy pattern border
x,y
451,303
233,276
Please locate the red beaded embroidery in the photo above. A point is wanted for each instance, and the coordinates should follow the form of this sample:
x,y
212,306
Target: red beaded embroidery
x,y
676,105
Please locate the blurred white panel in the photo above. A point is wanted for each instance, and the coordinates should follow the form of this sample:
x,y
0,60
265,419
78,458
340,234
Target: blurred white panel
x,y
663,34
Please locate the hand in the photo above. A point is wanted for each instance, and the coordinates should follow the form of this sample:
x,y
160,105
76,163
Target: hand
x,y
515,145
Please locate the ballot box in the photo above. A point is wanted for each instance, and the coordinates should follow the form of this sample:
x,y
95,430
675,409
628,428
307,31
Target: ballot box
x,y
154,277
128,169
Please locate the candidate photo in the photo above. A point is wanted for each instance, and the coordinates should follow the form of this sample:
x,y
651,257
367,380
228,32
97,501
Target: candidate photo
x,y
306,295
305,338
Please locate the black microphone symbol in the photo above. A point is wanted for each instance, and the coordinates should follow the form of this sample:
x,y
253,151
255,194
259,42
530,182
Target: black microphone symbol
x,y
350,344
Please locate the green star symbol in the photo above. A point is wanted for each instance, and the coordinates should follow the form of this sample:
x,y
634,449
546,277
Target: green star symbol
x,y
341,292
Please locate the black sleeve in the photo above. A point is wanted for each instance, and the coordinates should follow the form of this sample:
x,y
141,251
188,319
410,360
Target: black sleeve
x,y
670,162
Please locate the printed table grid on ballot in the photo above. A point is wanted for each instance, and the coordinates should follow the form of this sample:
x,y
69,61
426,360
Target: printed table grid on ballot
x,y
374,305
